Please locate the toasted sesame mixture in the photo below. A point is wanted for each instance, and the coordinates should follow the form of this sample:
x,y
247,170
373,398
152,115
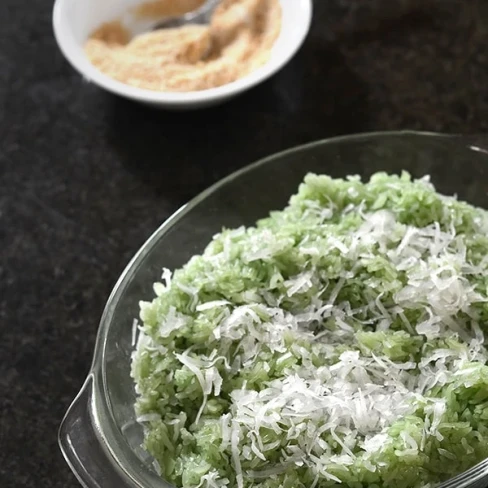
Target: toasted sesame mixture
x,y
237,41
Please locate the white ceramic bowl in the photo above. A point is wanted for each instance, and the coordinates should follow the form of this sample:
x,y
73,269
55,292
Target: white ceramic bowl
x,y
75,20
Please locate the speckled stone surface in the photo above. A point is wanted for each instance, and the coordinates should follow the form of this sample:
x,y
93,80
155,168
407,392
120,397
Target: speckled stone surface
x,y
86,177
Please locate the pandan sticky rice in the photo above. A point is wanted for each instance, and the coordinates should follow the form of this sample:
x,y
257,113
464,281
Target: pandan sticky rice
x,y
340,341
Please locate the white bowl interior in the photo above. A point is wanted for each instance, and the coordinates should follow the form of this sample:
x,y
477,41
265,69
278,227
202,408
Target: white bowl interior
x,y
75,20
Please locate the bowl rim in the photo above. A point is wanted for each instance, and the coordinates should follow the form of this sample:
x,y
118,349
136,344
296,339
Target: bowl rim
x,y
70,51
96,378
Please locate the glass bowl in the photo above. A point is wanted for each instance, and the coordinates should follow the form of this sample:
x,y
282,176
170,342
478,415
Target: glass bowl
x,y
99,435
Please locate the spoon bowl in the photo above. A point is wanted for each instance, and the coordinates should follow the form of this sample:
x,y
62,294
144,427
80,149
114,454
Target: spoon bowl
x,y
199,16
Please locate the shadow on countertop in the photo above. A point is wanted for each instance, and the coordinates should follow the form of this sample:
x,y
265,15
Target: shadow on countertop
x,y
313,97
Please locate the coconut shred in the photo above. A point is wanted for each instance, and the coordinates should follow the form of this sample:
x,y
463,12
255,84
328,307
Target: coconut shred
x,y
340,341
237,41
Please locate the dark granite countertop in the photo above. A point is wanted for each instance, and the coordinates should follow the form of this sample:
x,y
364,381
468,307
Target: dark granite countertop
x,y
86,177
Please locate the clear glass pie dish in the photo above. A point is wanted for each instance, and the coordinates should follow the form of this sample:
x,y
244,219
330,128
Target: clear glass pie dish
x,y
99,435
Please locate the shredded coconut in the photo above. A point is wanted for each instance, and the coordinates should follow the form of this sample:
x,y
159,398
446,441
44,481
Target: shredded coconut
x,y
341,340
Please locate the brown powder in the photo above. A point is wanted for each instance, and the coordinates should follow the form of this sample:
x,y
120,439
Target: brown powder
x,y
190,58
112,33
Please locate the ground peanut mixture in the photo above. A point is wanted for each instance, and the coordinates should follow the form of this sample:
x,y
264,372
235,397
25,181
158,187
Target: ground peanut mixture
x,y
237,41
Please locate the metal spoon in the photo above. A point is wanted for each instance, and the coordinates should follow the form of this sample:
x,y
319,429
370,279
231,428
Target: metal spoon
x,y
200,16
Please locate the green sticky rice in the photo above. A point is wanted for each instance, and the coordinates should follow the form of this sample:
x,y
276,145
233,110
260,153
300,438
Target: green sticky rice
x,y
339,342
